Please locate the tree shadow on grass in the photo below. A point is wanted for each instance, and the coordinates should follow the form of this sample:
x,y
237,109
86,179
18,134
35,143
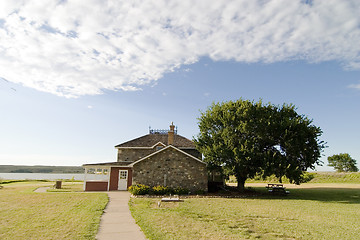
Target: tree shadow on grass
x,y
323,194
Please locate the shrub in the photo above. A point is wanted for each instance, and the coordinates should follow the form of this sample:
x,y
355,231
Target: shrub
x,y
199,192
161,190
307,177
181,191
139,189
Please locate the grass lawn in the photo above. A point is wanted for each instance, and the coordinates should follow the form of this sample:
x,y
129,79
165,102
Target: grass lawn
x,y
28,215
69,187
306,213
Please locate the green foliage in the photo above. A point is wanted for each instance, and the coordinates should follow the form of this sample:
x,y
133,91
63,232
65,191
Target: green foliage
x,y
139,189
336,177
312,177
267,179
180,191
22,170
307,177
161,190
250,138
343,163
199,192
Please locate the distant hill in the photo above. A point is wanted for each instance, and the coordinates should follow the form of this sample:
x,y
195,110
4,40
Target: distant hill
x,y
40,169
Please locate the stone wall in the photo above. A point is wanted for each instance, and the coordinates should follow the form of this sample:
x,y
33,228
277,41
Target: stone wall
x,y
171,168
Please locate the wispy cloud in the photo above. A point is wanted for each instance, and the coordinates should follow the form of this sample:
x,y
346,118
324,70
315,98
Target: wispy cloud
x,y
356,86
74,48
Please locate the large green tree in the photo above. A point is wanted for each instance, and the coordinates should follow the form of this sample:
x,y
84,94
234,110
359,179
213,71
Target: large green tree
x,y
343,163
247,138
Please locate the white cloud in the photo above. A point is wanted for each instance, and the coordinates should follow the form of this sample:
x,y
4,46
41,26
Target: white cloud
x,y
77,47
356,86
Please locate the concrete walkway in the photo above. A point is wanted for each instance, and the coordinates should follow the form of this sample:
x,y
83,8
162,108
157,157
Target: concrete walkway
x,y
117,222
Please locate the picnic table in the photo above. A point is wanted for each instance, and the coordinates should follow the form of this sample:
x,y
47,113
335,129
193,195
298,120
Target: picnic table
x,y
277,188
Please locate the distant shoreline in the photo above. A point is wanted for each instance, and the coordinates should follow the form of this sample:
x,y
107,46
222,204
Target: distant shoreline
x,y
42,176
40,169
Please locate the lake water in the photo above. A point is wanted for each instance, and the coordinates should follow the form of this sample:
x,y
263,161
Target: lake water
x,y
41,176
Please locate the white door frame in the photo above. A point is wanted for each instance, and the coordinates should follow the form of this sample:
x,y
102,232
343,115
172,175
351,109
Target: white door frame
x,y
123,179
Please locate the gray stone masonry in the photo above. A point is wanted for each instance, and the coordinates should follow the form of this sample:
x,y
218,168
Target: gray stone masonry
x,y
172,168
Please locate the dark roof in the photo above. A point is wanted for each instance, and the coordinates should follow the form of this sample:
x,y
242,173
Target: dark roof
x,y
123,163
150,140
170,147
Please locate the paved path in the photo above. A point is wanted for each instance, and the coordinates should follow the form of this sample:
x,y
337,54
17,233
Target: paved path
x,y
117,222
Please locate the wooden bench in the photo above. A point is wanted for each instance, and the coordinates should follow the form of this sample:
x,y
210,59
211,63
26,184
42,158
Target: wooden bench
x,y
277,188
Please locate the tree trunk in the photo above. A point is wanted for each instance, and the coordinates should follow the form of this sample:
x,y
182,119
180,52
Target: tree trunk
x,y
241,183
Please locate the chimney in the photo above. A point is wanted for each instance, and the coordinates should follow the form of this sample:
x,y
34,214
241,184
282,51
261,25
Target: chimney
x,y
171,134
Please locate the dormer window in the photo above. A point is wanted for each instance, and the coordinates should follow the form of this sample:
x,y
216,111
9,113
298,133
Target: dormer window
x,y
158,146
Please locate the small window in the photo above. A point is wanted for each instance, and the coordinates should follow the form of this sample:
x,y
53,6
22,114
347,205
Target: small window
x,y
123,174
159,147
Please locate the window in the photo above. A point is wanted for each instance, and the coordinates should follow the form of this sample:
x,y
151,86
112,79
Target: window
x,y
97,174
123,174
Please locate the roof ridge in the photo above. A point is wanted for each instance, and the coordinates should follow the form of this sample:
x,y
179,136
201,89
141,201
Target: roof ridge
x,y
149,140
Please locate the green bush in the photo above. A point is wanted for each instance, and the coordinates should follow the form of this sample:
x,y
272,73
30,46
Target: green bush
x,y
161,190
180,191
139,189
307,177
199,192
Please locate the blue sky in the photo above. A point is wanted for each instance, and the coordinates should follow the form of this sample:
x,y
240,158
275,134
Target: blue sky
x,y
74,85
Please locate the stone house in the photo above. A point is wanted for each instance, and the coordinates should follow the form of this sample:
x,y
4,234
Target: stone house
x,y
161,157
